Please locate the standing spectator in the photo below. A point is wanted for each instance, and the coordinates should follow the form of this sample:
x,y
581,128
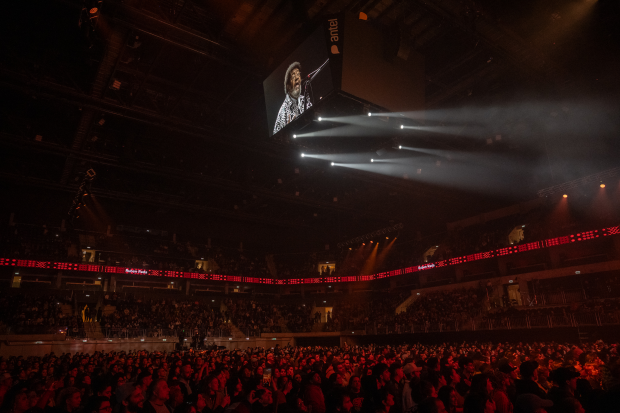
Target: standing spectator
x,y
69,400
566,381
264,404
314,395
215,399
130,397
186,378
528,382
384,401
449,397
158,393
499,395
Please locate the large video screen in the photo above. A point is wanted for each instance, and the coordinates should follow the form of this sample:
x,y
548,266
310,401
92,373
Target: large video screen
x,y
299,83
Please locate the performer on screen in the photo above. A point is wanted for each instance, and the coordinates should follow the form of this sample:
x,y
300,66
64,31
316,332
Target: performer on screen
x,y
295,102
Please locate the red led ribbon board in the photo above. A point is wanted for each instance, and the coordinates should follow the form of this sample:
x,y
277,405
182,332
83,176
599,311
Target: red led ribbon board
x,y
552,242
24,263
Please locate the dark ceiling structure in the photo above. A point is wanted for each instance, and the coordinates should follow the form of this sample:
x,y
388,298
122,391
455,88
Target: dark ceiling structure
x,y
163,99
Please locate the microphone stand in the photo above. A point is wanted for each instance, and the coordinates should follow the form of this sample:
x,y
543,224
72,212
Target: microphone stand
x,y
308,82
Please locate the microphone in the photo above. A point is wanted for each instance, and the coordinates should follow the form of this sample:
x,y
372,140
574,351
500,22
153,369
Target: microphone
x,y
312,75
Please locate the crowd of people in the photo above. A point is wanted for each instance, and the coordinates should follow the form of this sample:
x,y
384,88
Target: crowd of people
x,y
200,317
254,316
379,315
20,313
456,378
206,318
445,307
188,317
28,242
558,314
129,314
360,314
257,317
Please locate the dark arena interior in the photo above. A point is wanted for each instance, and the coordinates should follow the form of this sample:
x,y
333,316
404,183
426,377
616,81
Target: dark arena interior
x,y
310,206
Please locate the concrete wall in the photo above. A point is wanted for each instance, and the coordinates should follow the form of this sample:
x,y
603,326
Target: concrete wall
x,y
561,334
36,347
39,345
267,342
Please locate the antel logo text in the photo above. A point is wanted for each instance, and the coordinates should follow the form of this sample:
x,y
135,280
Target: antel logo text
x,y
333,33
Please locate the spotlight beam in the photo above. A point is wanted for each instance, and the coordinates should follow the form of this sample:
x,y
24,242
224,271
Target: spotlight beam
x,y
356,130
471,131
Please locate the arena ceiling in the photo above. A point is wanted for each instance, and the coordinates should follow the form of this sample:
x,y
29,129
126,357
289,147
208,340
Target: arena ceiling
x,y
164,101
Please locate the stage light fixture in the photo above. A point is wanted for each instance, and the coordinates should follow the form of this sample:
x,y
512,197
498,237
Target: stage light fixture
x,y
135,44
294,136
320,118
372,160
369,114
387,237
602,185
302,155
363,243
400,147
564,196
332,164
566,186
402,126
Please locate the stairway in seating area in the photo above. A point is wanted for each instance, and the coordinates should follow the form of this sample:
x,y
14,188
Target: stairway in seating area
x,y
318,327
236,333
93,330
405,304
283,326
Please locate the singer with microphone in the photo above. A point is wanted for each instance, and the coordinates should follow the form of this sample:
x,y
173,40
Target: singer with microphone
x,y
295,102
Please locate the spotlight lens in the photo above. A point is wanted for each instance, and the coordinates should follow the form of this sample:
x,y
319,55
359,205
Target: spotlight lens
x,y
565,196
402,126
602,185
400,147
294,136
320,118
332,164
372,160
302,155
369,114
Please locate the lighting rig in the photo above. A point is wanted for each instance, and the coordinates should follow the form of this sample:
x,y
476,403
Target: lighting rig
x,y
600,177
371,235
78,199
89,19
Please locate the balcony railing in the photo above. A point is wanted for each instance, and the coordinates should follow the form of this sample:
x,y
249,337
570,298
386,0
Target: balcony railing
x,y
514,322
